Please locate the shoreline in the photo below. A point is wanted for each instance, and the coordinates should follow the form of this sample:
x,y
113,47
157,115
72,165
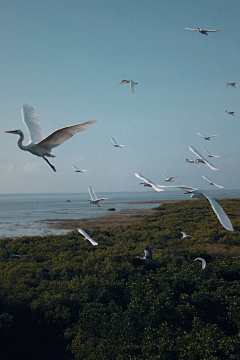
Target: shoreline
x,y
116,218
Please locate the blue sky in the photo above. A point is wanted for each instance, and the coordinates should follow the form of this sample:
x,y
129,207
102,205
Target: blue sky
x,y
66,58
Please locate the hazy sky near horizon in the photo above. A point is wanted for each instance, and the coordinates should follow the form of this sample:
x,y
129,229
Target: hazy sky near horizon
x,y
66,58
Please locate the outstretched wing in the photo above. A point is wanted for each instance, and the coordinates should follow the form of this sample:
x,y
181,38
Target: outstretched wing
x,y
30,120
156,188
190,29
203,262
92,193
222,216
191,148
133,86
201,135
210,30
93,242
184,234
114,141
59,136
74,167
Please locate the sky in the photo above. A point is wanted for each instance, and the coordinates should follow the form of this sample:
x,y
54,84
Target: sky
x,y
65,58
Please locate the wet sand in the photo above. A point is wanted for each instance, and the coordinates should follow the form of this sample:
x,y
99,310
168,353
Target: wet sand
x,y
114,218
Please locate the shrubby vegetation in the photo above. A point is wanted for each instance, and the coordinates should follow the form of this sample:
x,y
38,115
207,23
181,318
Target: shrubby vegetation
x,y
105,303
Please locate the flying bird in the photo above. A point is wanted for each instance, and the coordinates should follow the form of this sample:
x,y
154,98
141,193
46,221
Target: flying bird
x,y
200,194
190,161
94,199
233,84
230,112
212,183
185,236
201,158
169,179
115,143
206,137
147,254
11,254
87,237
77,170
147,182
211,155
39,144
203,262
202,31
132,85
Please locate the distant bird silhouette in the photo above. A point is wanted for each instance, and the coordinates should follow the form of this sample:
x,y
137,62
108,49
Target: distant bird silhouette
x,y
77,170
87,237
233,84
206,137
202,31
94,199
147,182
201,158
169,179
230,112
212,183
132,84
11,254
210,155
115,143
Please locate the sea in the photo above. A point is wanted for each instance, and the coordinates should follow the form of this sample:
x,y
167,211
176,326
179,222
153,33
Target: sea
x,y
27,214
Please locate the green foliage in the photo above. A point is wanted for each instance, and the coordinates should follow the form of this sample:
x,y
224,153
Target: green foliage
x,y
105,303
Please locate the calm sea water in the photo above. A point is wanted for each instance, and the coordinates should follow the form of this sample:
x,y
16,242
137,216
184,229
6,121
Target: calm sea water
x,y
24,214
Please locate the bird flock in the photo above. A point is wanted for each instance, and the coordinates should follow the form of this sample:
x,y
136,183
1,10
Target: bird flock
x,y
41,146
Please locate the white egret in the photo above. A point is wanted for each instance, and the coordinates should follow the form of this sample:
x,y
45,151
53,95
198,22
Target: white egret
x,y
169,179
230,112
202,31
211,155
77,170
233,84
39,144
11,254
147,182
201,158
115,143
203,262
200,194
212,183
132,84
87,237
185,236
206,137
94,199
147,254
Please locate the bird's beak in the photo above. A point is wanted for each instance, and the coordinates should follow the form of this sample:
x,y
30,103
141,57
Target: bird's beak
x,y
10,131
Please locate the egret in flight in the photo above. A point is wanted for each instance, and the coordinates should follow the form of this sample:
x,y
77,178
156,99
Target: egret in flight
x,y
202,31
94,199
211,155
147,254
185,236
200,194
87,237
11,254
169,179
147,182
132,85
203,262
77,170
230,112
39,144
233,84
212,183
115,143
206,137
201,158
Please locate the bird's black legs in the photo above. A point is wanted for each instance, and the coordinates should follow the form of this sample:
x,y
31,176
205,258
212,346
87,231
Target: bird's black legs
x,y
49,163
98,205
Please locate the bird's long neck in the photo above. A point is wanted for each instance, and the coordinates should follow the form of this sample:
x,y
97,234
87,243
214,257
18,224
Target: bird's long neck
x,y
20,142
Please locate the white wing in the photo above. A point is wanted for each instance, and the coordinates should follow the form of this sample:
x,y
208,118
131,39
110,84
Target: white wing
x,y
59,136
133,86
184,234
201,135
190,29
202,158
92,193
204,177
114,141
93,242
203,262
222,216
156,188
211,182
210,30
74,167
215,156
165,176
30,119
